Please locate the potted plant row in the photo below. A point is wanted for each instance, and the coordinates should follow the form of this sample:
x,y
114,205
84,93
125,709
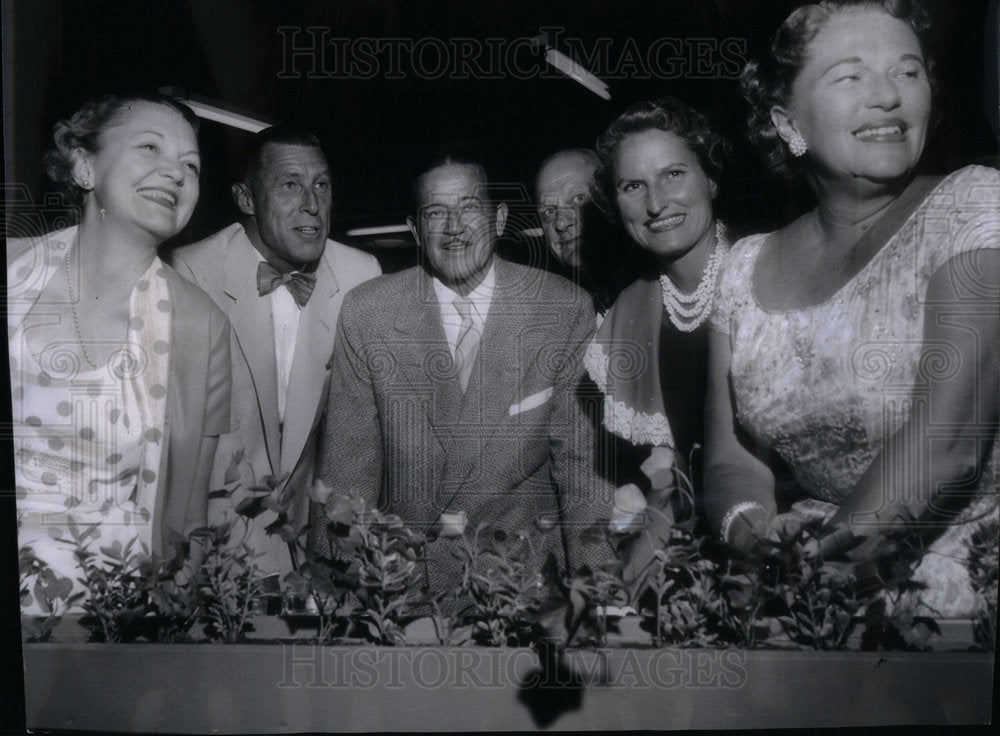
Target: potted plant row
x,y
715,638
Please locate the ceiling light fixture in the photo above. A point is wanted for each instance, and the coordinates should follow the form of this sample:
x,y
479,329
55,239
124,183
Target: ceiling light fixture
x,y
218,112
364,232
572,69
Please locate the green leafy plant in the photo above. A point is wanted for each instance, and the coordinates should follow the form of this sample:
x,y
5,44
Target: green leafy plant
x,y
132,594
787,592
740,605
116,579
984,556
814,599
682,602
271,495
327,582
53,595
229,585
597,589
384,554
504,596
330,584
174,600
678,576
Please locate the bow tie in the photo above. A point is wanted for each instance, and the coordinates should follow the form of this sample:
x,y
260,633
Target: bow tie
x,y
299,284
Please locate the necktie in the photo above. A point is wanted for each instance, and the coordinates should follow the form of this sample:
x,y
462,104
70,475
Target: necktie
x,y
467,344
299,284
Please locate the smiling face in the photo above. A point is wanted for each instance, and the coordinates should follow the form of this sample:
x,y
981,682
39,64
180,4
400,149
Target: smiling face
x,y
563,190
290,203
145,171
456,225
862,101
663,195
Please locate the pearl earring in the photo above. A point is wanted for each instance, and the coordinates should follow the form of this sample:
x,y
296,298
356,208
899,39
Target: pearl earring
x,y
797,145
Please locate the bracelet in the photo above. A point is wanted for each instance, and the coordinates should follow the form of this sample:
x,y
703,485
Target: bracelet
x,y
730,517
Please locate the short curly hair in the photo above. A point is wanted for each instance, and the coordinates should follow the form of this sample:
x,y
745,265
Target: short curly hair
x,y
83,129
767,82
714,151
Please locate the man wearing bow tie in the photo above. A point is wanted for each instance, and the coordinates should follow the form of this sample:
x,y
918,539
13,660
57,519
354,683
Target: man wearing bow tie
x,y
281,282
453,390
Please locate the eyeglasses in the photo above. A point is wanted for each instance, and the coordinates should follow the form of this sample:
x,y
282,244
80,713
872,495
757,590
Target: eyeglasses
x,y
438,215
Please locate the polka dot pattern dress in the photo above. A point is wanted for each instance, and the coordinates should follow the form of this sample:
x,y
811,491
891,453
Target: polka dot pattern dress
x,y
88,442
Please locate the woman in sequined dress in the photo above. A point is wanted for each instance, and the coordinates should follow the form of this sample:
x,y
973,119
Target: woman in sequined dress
x,y
860,342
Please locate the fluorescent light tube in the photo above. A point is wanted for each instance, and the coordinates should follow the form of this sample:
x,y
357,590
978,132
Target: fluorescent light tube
x,y
208,109
577,73
361,232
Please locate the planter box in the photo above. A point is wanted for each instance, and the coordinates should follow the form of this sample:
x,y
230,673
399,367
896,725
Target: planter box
x,y
956,634
294,687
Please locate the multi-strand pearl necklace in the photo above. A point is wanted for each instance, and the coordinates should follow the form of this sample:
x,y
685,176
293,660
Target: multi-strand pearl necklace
x,y
688,311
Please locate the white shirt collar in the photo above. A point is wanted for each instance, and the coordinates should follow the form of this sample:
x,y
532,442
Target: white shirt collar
x,y
481,297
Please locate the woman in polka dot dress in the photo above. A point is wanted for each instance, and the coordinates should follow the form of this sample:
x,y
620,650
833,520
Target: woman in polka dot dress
x,y
119,368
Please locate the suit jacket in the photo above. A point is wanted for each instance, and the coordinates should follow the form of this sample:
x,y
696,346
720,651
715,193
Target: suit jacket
x,y
514,452
198,389
225,266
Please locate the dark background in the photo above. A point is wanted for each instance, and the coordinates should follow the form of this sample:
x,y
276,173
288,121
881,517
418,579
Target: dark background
x,y
375,120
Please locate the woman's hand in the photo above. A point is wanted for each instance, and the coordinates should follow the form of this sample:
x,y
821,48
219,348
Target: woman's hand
x,y
857,544
754,527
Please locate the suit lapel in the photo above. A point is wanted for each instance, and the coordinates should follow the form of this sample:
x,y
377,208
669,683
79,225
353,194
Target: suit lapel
x,y
423,357
313,349
250,318
502,362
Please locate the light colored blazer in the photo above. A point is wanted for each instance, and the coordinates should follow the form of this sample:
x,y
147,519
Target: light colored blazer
x,y
515,451
225,266
198,390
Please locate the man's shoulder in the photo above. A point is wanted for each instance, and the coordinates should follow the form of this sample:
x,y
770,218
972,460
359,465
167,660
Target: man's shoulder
x,y
197,319
380,302
385,290
533,284
351,264
204,258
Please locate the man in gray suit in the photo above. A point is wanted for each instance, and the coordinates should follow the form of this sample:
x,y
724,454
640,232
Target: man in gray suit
x,y
453,388
281,283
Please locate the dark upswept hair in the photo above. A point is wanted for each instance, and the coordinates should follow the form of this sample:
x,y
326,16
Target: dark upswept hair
x,y
714,151
252,162
767,81
83,129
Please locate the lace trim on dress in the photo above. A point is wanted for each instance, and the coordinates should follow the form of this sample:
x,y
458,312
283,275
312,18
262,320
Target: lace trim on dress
x,y
596,363
637,427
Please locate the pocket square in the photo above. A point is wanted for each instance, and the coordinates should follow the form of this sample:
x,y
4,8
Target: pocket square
x,y
531,402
